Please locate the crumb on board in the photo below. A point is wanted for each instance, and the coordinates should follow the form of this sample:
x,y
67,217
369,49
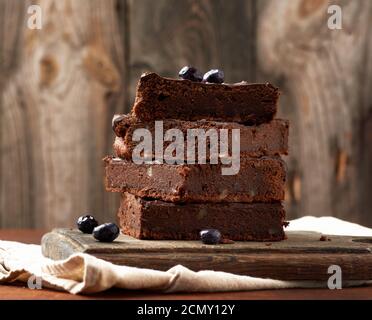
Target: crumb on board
x,y
226,241
324,238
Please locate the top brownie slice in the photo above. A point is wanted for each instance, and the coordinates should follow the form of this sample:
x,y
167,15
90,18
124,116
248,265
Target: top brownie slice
x,y
159,98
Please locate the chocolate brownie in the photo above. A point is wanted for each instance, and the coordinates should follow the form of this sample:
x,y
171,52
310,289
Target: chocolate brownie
x,y
255,141
159,98
258,180
146,219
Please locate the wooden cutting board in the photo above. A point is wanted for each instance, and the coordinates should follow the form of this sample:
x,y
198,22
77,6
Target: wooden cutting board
x,y
301,257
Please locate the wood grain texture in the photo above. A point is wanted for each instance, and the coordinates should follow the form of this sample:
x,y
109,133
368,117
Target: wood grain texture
x,y
301,257
11,33
326,76
57,101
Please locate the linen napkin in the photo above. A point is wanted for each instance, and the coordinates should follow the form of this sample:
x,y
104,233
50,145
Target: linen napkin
x,y
85,274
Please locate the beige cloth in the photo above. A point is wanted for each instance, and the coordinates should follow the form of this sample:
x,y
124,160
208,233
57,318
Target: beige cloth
x,y
83,273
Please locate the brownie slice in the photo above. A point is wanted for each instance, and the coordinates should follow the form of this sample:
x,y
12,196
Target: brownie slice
x,y
255,141
159,220
159,98
259,180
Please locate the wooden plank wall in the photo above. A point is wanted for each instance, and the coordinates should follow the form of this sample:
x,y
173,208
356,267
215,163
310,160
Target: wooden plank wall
x,y
60,86
326,77
57,99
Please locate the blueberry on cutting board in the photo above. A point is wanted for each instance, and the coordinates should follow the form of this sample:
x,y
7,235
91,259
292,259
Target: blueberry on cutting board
x,y
86,223
210,236
106,232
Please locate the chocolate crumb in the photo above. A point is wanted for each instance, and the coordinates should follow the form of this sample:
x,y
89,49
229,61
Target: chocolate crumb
x,y
268,244
324,238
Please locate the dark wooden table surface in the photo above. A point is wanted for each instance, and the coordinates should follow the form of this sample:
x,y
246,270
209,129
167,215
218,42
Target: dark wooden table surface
x,y
19,291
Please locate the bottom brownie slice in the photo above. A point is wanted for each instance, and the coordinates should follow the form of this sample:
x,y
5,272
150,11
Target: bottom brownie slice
x,y
159,220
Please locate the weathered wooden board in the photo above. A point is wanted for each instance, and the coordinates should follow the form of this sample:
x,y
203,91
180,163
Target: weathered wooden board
x,y
326,96
59,87
301,257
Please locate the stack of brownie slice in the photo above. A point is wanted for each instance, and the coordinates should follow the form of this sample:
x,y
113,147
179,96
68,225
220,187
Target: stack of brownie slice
x,y
176,201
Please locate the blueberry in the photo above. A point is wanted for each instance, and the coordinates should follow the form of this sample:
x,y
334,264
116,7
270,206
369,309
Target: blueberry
x,y
106,232
115,120
210,236
86,223
214,76
190,73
